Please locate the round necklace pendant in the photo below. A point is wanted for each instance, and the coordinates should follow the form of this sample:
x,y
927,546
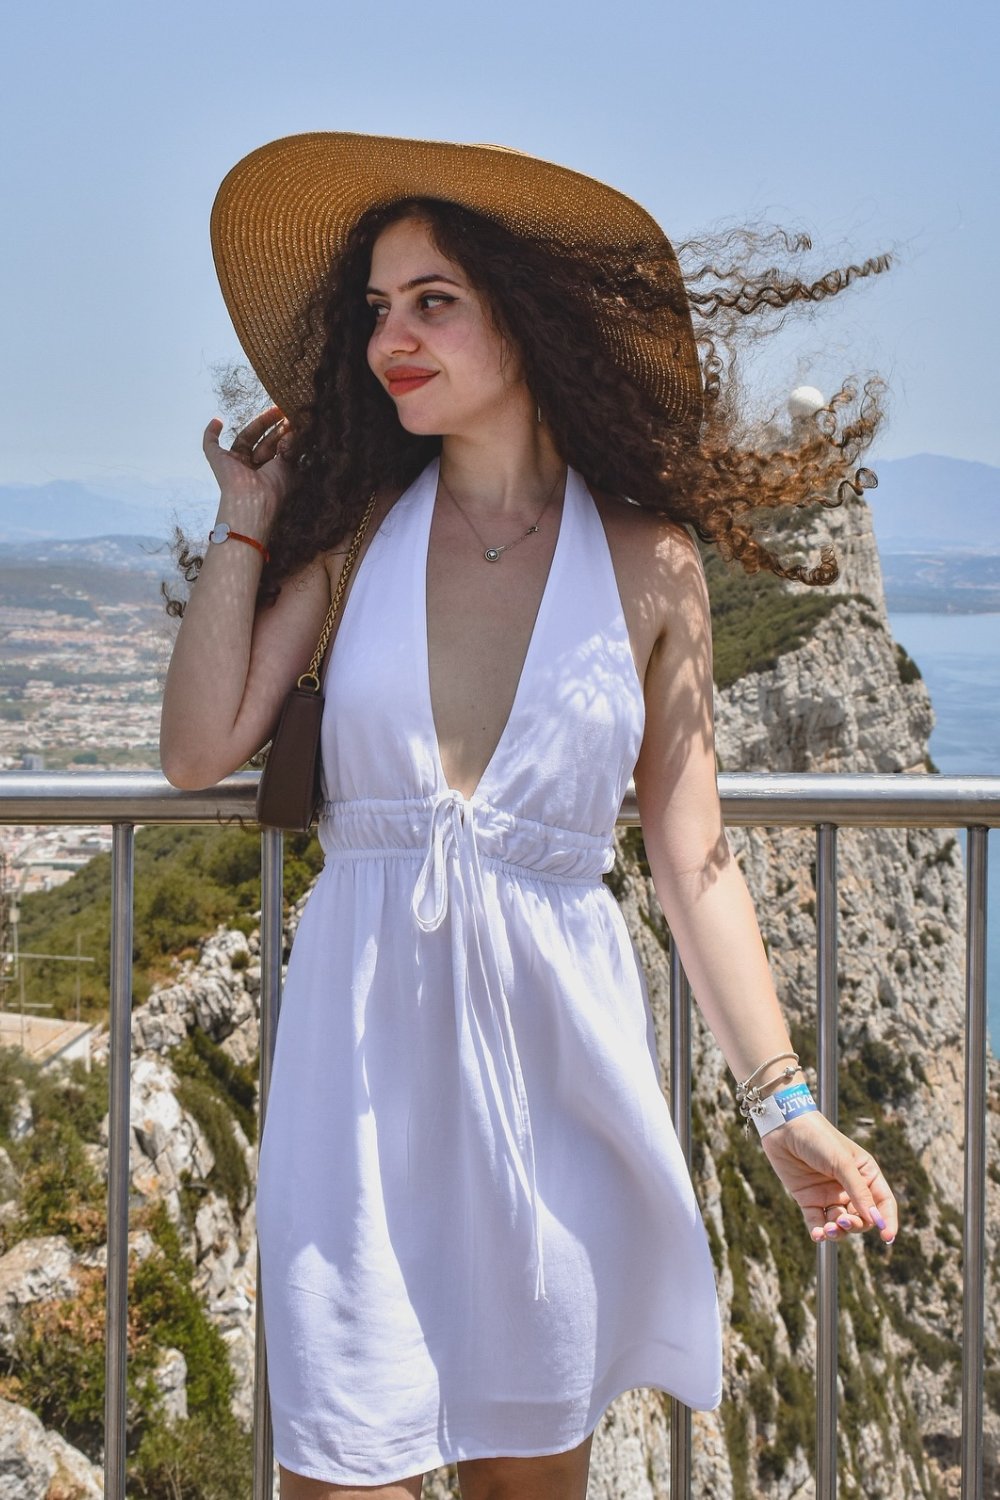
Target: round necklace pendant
x,y
492,554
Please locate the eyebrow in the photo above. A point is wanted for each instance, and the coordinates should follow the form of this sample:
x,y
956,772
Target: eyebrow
x,y
373,291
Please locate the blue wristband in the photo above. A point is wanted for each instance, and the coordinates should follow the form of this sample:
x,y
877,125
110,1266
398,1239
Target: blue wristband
x,y
787,1104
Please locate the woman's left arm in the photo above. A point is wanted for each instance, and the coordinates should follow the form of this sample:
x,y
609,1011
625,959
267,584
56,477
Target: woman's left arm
x,y
708,907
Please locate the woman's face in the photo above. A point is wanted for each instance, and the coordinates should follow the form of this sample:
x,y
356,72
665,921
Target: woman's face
x,y
434,346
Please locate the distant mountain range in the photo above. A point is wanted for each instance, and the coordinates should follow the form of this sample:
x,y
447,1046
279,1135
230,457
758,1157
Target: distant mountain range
x,y
64,510
927,503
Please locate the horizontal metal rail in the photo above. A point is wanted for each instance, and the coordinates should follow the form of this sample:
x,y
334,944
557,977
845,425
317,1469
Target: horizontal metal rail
x,y
822,801
749,799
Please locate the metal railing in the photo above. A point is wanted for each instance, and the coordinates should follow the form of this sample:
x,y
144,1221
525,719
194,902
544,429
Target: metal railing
x,y
824,802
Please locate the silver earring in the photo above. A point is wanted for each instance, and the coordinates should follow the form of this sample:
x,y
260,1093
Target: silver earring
x,y
538,411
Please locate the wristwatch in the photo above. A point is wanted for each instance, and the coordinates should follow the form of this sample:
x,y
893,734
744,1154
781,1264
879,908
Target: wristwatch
x,y
223,532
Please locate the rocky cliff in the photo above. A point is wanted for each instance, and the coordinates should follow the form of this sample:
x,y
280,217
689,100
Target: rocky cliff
x,y
846,698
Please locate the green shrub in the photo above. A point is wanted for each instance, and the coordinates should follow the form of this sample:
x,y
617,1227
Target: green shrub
x,y
906,666
756,620
192,1460
60,1192
57,1364
871,1074
166,1309
74,1096
229,1174
796,1399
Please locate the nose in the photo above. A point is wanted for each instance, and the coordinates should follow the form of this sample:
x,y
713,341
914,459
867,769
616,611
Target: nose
x,y
395,333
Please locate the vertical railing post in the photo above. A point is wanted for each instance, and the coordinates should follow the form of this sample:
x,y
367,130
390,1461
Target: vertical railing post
x,y
974,1208
271,949
826,1253
680,1109
119,1131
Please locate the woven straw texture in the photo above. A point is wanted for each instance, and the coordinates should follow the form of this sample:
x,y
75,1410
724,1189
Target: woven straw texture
x,y
284,212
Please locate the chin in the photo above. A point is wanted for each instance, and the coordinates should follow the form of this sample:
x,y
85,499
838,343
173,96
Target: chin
x,y
420,425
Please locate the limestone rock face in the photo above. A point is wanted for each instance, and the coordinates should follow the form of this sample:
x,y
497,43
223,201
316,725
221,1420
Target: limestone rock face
x,y
33,1270
8,1177
9,1188
168,1144
837,703
170,1377
22,1121
217,993
39,1465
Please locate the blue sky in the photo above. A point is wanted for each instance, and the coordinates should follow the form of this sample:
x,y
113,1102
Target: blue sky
x,y
875,126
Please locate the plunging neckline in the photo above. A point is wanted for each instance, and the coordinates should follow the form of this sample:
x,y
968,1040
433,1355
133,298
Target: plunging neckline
x,y
423,636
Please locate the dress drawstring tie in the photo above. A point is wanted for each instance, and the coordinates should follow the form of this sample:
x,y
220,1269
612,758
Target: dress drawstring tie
x,y
452,874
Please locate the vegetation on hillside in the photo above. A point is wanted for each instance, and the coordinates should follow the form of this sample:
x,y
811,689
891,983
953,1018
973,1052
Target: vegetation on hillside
x,y
187,882
56,1365
757,620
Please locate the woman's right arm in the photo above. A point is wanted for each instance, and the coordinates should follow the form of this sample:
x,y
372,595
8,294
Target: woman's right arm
x,y
232,665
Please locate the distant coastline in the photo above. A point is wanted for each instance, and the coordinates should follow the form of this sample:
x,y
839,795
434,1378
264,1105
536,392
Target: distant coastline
x,y
952,581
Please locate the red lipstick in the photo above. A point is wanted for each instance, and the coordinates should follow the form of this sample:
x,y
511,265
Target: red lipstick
x,y
403,378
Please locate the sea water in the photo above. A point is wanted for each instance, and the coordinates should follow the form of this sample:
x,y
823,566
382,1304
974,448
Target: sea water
x,y
959,658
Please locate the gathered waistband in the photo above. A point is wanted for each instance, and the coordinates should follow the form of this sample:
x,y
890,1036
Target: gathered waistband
x,y
402,827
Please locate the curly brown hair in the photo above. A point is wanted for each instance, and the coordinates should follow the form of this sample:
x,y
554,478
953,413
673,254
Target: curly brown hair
x,y
554,305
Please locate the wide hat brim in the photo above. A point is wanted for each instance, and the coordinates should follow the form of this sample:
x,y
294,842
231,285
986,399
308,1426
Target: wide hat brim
x,y
285,211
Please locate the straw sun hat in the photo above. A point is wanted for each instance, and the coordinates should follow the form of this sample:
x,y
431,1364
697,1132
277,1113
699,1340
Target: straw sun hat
x,y
285,211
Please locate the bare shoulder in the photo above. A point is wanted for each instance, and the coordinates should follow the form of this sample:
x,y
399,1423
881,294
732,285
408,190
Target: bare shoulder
x,y
657,565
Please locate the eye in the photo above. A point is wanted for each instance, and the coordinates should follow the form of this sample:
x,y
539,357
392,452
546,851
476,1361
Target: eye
x,y
435,297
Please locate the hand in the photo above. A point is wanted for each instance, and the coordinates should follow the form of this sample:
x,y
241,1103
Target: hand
x,y
253,474
837,1184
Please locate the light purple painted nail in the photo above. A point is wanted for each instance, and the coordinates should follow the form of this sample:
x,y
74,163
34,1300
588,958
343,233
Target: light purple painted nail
x,y
844,1222
877,1218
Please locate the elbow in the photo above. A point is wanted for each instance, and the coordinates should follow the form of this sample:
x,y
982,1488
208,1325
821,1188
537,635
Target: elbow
x,y
187,772
187,778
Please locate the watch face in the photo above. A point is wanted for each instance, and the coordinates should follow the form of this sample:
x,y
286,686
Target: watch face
x,y
219,533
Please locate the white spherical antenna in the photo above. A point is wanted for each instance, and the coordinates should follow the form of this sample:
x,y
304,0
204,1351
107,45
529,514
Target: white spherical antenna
x,y
805,401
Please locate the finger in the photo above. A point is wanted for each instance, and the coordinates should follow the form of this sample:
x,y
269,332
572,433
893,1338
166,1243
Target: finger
x,y
872,1199
269,444
210,445
251,434
816,1222
842,1213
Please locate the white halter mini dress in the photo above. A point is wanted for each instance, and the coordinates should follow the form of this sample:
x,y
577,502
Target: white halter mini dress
x,y
476,1226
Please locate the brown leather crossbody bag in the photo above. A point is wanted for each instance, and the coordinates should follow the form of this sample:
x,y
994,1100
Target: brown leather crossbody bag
x,y
288,792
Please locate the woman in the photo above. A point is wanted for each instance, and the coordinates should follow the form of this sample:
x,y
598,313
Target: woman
x,y
476,1226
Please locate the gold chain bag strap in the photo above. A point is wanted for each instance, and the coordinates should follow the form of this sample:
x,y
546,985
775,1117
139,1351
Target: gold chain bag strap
x,y
288,792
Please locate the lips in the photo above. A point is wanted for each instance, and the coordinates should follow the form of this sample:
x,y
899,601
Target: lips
x,y
405,378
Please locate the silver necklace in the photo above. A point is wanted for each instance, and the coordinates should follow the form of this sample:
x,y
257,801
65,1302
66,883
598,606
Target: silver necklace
x,y
494,554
